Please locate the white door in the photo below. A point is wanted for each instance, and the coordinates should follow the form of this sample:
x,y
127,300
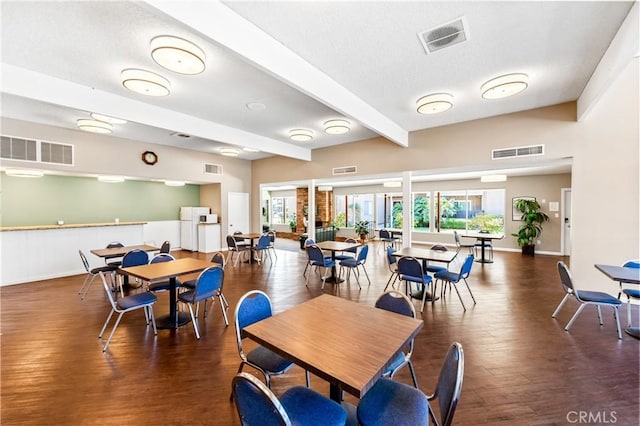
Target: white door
x,y
238,212
566,221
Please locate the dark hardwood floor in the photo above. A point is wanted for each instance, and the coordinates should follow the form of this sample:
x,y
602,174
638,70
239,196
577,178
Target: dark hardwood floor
x,y
521,367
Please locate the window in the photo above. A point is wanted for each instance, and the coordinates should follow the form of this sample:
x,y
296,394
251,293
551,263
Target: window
x,y
421,211
283,210
469,209
388,211
353,208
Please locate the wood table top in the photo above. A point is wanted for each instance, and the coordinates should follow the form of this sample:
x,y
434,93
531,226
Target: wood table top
x,y
121,251
620,273
249,236
337,245
483,235
164,270
426,254
346,343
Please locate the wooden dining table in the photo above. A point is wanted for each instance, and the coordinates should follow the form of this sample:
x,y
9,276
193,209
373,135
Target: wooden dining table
x,y
346,343
252,237
169,270
121,251
426,255
624,275
483,237
333,247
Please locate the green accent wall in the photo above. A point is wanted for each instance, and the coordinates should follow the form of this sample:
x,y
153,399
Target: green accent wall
x,y
45,200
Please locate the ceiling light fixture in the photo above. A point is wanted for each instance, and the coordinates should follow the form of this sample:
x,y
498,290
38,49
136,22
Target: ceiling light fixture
x,y
93,126
111,179
247,149
300,135
392,184
173,183
24,173
145,82
325,188
493,178
177,54
336,127
107,119
504,86
435,103
229,152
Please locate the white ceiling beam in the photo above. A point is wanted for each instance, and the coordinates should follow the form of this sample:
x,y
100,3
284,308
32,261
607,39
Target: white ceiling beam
x,y
33,85
224,26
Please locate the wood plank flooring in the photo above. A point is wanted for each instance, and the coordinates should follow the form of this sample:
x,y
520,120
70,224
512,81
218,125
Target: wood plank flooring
x,y
521,367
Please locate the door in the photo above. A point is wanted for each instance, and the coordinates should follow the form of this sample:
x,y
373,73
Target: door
x,y
566,221
238,212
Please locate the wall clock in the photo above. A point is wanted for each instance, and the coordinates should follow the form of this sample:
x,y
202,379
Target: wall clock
x,y
149,157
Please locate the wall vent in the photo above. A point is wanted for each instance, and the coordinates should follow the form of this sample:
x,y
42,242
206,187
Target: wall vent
x,y
13,148
347,170
180,135
213,169
57,153
445,35
520,151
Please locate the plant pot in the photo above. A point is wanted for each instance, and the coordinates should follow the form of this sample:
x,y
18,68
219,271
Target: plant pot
x,y
529,250
363,236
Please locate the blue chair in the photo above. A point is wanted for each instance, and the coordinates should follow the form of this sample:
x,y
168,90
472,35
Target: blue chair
x,y
394,301
143,301
410,271
135,257
393,403
272,243
631,293
585,298
449,386
257,405
436,268
264,245
317,259
208,285
392,263
109,260
460,245
161,285
92,273
218,258
354,264
307,243
453,278
252,307
387,239
348,253
235,249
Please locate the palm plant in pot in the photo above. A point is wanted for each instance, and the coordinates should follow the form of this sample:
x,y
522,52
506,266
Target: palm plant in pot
x,y
531,228
362,229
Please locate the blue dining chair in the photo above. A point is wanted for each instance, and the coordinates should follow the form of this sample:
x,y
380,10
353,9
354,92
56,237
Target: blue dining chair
x,y
264,245
317,259
453,278
92,273
392,263
257,405
161,285
354,263
410,271
135,257
208,286
218,258
631,293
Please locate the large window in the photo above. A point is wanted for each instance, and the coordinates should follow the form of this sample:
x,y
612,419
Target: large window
x,y
353,208
469,209
388,211
421,211
283,210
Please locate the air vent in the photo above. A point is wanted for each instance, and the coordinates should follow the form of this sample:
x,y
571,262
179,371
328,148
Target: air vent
x,y
18,149
57,153
446,35
347,170
213,169
180,135
521,151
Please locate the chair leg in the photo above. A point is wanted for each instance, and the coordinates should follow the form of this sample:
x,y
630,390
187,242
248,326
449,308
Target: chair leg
x,y
413,374
573,318
105,324
615,313
562,302
193,320
306,374
366,274
393,276
113,330
455,287
153,319
469,288
224,311
599,314
628,311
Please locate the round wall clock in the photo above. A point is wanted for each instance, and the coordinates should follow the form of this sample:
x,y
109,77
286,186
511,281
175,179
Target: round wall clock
x,y
149,157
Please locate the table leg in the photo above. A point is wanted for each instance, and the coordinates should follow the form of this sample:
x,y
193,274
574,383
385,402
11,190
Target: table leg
x,y
175,319
335,393
333,278
483,259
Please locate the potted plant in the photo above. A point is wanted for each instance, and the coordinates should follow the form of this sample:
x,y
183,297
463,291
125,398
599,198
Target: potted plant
x,y
362,229
531,229
293,224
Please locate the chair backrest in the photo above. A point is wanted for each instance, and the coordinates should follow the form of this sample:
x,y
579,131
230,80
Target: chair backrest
x,y
457,238
85,262
115,244
135,258
411,267
439,247
309,242
565,278
354,249
231,242
465,270
362,255
394,301
162,257
272,236
219,258
449,385
263,242
384,234
632,264
252,307
255,402
166,247
315,254
208,283
390,258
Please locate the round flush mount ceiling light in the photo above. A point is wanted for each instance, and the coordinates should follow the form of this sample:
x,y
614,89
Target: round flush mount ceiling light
x,y
229,152
177,54
434,103
504,86
300,135
24,173
93,126
107,119
145,82
336,127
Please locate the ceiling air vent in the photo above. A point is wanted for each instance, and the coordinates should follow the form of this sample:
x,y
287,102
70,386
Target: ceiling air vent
x,y
347,170
18,149
521,151
212,169
446,35
180,135
57,153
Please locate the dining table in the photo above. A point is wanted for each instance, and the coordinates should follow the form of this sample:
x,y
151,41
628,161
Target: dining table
x,y
333,247
169,270
252,237
484,238
109,253
348,344
624,275
426,255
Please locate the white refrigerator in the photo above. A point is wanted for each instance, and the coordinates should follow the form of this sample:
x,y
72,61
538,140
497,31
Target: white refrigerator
x,y
189,220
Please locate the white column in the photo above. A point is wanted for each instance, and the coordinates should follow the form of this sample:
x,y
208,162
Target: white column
x,y
407,211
